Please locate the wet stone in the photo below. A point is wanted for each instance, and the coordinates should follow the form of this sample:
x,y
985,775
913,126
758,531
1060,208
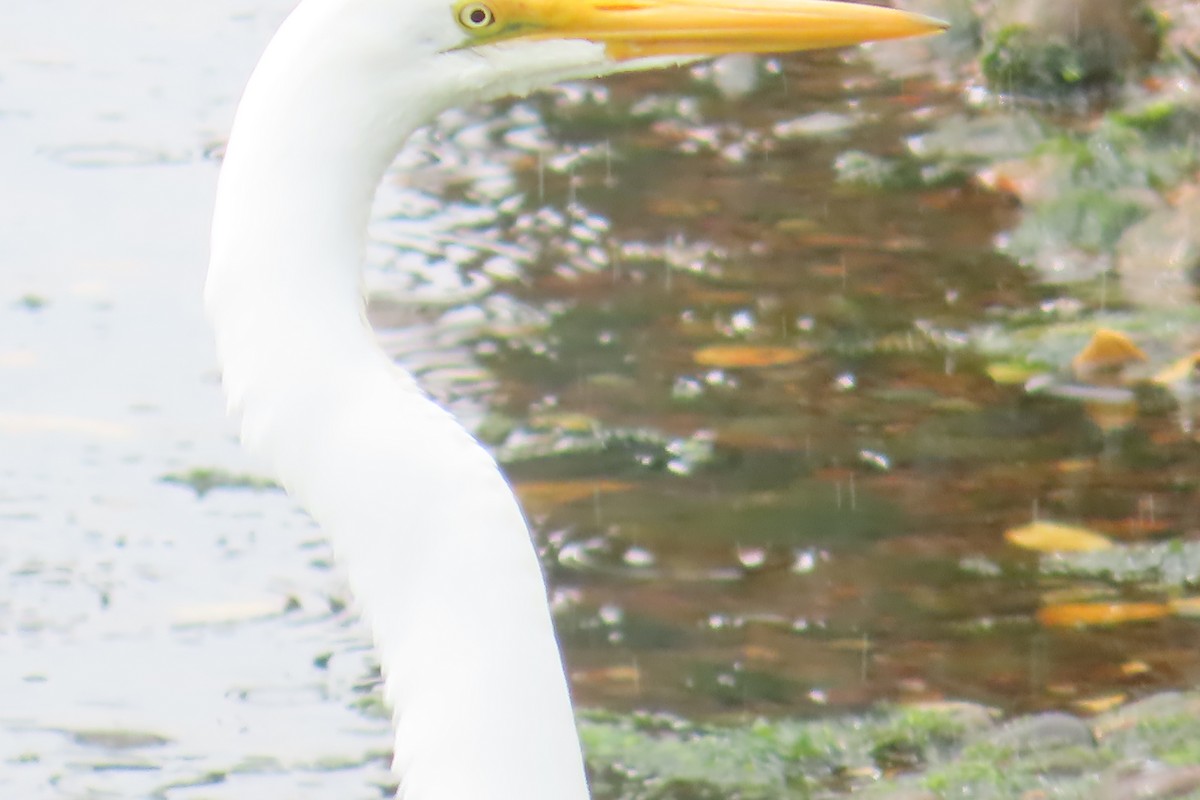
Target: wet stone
x,y
1166,704
909,794
1157,257
1153,782
970,717
1042,732
1039,48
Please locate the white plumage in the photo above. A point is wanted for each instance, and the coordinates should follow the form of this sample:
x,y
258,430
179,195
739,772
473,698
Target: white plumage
x,y
436,549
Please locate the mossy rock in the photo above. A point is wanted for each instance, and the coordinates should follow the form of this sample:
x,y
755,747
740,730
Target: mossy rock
x,y
1057,49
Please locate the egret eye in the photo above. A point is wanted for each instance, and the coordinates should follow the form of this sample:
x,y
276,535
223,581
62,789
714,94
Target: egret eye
x,y
476,16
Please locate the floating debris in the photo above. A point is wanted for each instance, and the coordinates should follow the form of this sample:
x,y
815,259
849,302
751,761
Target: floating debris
x,y
1076,615
1053,537
1108,351
749,356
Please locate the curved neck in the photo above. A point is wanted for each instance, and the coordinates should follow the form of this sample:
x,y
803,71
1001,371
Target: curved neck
x,y
430,535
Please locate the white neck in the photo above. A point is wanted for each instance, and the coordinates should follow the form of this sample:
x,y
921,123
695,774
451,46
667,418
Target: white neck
x,y
436,549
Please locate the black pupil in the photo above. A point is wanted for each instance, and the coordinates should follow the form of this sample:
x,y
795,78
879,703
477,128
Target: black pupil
x,y
479,16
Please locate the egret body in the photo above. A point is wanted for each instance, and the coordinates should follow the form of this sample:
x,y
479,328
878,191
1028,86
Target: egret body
x,y
435,547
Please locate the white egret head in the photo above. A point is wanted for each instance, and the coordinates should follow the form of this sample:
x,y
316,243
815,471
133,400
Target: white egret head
x,y
487,48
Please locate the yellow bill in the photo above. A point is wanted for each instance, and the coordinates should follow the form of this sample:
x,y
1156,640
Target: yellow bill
x,y
640,28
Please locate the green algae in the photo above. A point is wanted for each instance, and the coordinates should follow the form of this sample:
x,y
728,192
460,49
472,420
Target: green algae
x,y
952,750
1065,49
203,480
859,168
1095,185
1173,563
646,756
1018,60
1048,342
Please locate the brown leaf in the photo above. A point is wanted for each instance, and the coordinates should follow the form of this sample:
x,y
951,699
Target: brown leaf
x,y
676,208
607,675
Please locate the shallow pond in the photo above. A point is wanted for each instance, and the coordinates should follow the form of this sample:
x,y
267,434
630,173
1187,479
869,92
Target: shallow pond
x,y
752,409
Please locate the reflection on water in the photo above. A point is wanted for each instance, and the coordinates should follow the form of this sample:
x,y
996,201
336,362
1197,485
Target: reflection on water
x,y
748,403
741,401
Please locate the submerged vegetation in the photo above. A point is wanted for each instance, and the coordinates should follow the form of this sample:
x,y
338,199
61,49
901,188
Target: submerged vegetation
x,y
1149,749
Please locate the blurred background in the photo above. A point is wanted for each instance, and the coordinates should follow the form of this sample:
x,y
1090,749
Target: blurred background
x,y
835,386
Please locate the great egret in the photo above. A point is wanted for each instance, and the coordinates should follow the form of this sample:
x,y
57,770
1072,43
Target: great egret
x,y
435,546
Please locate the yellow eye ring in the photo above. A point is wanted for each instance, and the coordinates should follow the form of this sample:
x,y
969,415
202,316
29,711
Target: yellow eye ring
x,y
476,16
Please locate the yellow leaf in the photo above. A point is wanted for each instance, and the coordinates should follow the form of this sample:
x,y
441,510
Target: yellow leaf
x,y
1134,668
1051,537
1098,705
565,421
1085,614
1182,370
1009,373
1064,689
736,355
1107,350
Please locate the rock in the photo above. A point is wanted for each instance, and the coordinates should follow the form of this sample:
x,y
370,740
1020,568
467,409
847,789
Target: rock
x,y
969,716
1158,257
1152,782
1041,732
1165,704
1051,49
1183,35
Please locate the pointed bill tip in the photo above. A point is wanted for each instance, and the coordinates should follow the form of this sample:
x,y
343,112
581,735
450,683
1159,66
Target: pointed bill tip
x,y
932,24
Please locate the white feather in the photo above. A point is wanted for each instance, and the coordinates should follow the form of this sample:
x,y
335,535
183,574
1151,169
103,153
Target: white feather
x,y
436,549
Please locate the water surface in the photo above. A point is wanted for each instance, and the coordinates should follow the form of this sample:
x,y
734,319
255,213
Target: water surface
x,y
811,523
